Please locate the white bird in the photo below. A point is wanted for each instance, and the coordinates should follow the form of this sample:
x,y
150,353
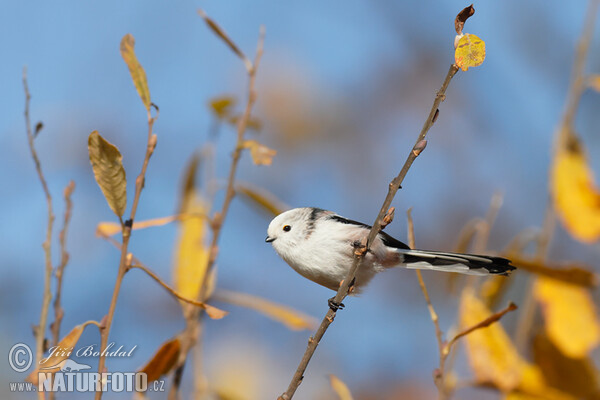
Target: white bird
x,y
319,245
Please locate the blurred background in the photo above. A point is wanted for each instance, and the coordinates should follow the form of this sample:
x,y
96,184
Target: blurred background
x,y
343,89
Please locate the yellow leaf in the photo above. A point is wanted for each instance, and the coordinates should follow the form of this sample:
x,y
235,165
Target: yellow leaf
x,y
192,255
470,51
222,106
291,318
107,228
570,317
163,360
109,172
261,154
490,351
576,199
135,69
577,274
112,228
577,377
265,200
53,363
340,388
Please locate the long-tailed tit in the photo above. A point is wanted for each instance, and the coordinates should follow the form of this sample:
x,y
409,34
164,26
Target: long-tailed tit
x,y
318,244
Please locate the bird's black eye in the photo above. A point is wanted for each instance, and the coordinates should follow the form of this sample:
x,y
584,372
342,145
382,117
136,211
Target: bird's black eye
x,y
287,228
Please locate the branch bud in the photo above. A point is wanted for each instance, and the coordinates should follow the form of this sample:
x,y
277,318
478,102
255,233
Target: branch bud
x,y
419,147
389,217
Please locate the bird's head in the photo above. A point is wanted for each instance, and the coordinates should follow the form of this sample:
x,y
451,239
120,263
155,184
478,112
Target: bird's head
x,y
287,230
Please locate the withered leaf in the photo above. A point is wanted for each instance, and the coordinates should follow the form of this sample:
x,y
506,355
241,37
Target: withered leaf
x,y
135,69
109,172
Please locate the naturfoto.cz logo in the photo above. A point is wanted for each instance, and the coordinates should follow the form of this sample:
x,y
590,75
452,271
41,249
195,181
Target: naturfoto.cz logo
x,y
70,376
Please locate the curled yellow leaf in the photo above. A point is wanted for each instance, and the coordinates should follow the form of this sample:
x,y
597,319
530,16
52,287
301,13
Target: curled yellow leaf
x,y
108,169
490,351
576,199
470,51
340,388
138,75
291,318
163,360
261,154
570,316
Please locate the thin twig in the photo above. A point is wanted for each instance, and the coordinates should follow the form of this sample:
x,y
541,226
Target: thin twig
x,y
485,323
139,185
439,375
167,287
189,337
359,254
64,259
40,329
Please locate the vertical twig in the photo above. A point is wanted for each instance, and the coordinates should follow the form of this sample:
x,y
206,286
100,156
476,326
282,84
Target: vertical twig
x,y
439,373
40,329
64,259
123,267
193,318
394,186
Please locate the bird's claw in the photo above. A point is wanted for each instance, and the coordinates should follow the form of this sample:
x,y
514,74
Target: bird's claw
x,y
334,306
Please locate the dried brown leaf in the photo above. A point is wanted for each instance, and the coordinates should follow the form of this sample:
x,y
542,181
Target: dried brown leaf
x,y
462,17
163,360
221,33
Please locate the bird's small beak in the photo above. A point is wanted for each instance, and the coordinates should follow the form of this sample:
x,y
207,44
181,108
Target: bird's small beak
x,y
269,239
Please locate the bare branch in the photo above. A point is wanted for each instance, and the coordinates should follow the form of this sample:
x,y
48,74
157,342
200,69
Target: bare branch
x,y
485,323
64,259
40,329
127,225
200,304
343,291
439,375
189,337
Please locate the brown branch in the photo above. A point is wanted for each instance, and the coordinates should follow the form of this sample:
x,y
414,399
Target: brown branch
x,y
439,373
64,259
485,323
189,337
139,185
162,283
359,254
40,329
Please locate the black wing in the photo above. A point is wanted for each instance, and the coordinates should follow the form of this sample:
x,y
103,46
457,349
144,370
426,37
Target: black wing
x,y
387,239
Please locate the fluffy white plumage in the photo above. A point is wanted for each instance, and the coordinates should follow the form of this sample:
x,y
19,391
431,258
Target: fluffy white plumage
x,y
318,244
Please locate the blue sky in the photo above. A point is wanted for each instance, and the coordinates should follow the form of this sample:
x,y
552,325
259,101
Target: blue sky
x,y
376,63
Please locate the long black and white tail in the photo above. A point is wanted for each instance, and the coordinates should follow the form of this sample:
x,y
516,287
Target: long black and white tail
x,y
453,262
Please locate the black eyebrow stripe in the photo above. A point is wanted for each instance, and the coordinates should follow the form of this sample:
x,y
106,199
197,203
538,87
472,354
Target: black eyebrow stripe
x,y
312,218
